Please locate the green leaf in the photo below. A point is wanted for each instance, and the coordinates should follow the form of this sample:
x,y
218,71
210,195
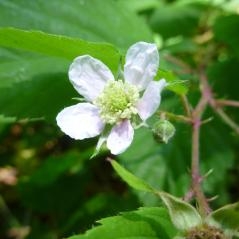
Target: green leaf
x,y
145,223
42,97
131,179
140,6
183,215
227,217
58,46
92,20
18,67
175,84
175,19
41,79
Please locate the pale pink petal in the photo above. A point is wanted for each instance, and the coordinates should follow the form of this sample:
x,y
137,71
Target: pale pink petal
x,y
142,61
120,137
150,100
89,76
80,121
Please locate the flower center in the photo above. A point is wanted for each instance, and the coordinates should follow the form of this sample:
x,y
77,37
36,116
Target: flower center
x,y
117,101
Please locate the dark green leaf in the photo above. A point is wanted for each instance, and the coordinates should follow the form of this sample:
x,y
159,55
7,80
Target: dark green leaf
x,y
43,97
175,19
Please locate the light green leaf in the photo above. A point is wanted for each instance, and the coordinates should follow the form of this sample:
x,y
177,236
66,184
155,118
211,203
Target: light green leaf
x,y
183,215
58,46
145,223
131,179
4,119
227,217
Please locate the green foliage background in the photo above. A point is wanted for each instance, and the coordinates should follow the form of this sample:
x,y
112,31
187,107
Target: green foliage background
x,y
59,191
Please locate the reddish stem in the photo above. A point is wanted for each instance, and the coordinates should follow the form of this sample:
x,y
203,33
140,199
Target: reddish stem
x,y
202,202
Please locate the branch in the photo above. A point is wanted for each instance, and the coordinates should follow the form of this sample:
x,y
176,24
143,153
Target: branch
x,y
221,103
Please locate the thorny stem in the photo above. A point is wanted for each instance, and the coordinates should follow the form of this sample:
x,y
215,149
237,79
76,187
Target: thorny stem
x,y
206,97
202,202
194,117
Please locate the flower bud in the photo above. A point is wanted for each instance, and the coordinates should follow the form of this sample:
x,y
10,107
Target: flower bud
x,y
163,130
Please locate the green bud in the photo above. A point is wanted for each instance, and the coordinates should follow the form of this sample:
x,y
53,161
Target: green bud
x,y
163,130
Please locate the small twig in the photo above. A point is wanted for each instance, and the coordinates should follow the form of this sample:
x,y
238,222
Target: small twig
x,y
207,120
186,105
208,96
172,116
212,198
227,119
185,68
232,103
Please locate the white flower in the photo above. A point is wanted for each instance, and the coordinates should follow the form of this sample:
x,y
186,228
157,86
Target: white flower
x,y
113,102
